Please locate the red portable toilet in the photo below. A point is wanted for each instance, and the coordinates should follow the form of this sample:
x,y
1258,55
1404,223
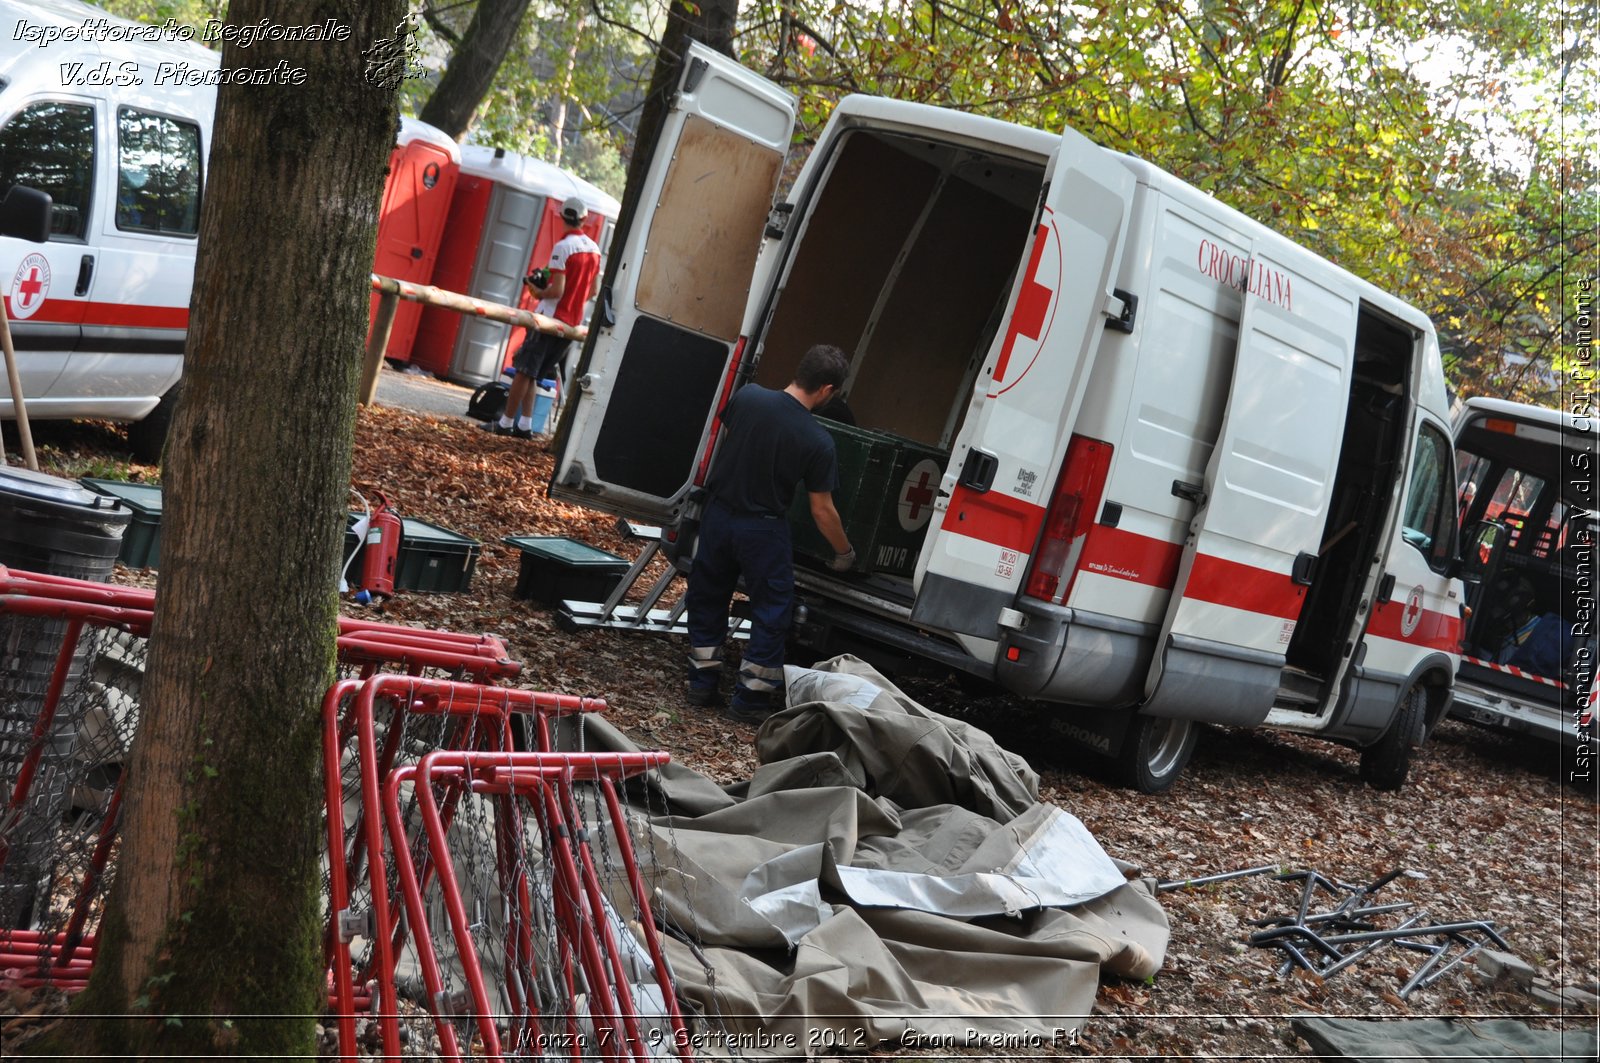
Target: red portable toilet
x,y
503,216
416,200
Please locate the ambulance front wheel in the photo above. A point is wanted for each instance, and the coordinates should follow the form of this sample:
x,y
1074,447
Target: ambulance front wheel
x,y
1385,763
146,438
1155,752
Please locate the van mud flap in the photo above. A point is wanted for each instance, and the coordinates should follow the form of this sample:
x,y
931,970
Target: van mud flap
x,y
1215,683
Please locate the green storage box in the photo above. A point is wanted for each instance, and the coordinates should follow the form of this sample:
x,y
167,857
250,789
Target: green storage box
x,y
887,486
555,569
433,558
141,543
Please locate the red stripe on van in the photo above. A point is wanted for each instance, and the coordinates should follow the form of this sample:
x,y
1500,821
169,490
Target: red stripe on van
x,y
123,316
1125,555
116,315
994,517
1255,590
1434,630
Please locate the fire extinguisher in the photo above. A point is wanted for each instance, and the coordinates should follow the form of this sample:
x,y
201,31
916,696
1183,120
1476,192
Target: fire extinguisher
x,y
382,549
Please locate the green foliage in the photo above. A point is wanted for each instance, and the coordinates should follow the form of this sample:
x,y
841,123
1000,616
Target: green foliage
x,y
1416,144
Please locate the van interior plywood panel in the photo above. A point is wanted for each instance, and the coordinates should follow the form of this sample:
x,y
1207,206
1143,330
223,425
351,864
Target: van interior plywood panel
x,y
717,195
917,362
853,233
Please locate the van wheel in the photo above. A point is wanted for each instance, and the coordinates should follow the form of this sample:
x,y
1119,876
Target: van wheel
x,y
1384,764
1155,752
146,438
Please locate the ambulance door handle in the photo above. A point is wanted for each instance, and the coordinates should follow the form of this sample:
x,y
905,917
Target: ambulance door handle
x,y
416,252
978,470
1195,493
85,275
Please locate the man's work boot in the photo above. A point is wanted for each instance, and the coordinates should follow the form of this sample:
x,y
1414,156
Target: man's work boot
x,y
705,671
759,693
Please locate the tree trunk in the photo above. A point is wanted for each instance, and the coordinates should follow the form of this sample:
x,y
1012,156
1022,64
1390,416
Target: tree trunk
x,y
211,938
558,124
473,66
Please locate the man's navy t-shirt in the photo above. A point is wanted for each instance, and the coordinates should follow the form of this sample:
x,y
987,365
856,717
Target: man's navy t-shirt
x,y
772,444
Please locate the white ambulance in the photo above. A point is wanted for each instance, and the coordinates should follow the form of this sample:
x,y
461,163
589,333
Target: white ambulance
x,y
94,111
1195,473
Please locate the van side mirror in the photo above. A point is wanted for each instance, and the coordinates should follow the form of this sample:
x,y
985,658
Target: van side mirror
x,y
25,214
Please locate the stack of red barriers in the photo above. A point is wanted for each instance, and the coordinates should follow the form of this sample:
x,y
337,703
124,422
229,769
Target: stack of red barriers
x,y
483,889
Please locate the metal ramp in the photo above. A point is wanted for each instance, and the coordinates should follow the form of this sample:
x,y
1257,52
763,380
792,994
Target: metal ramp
x,y
645,614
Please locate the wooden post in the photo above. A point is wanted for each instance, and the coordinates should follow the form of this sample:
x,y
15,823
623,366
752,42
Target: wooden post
x,y
19,408
377,343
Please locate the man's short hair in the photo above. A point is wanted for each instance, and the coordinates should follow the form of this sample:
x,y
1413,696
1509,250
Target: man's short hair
x,y
821,366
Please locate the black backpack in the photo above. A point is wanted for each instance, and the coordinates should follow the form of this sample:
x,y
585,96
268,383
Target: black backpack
x,y
489,401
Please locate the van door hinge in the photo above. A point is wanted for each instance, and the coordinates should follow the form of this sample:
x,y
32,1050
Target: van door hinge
x,y
778,220
1120,310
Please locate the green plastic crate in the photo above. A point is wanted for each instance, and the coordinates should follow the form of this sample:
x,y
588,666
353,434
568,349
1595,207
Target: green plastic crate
x,y
434,559
141,542
887,486
556,569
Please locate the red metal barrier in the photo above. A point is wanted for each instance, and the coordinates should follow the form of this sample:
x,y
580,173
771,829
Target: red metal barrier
x,y
582,921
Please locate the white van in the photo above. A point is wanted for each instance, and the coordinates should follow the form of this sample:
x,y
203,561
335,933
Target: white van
x,y
1527,509
92,112
1190,471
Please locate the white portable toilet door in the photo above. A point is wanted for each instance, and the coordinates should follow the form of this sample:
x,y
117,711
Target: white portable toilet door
x,y
1263,506
510,226
652,382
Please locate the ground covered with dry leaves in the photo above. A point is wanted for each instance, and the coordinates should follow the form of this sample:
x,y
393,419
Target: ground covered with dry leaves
x,y
1490,828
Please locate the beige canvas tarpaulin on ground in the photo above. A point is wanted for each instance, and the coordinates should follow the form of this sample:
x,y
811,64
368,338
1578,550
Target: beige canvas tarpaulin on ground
x,y
888,874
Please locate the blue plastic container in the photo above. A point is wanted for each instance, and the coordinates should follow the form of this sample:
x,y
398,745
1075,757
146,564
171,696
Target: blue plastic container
x,y
544,399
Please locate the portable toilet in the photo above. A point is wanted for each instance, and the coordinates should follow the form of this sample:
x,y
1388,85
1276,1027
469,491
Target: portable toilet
x,y
504,205
416,200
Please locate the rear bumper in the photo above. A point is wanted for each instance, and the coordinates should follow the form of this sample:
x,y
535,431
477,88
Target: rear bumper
x,y
1072,656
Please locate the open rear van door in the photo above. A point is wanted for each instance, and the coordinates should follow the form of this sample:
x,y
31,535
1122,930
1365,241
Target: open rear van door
x,y
992,503
650,382
1242,579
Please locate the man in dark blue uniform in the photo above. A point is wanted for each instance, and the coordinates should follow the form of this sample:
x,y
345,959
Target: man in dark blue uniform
x,y
772,443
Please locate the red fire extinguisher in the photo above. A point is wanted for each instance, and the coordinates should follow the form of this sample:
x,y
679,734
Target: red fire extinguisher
x,y
382,550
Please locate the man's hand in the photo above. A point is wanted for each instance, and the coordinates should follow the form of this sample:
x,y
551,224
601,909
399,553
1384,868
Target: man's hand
x,y
843,562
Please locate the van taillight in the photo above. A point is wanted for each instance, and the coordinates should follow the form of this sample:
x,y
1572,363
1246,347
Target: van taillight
x,y
1072,510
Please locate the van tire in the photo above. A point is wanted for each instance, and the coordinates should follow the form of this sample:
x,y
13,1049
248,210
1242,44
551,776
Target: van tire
x,y
147,438
1385,763
1155,752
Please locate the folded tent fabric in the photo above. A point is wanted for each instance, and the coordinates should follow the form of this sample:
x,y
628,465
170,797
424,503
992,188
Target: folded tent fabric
x,y
886,873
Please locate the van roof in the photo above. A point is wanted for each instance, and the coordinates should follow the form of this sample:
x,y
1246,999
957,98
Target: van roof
x,y
1559,419
534,175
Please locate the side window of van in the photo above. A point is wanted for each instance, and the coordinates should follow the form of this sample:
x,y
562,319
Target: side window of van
x,y
158,174
50,146
1429,523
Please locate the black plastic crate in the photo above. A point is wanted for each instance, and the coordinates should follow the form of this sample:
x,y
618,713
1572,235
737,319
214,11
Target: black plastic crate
x,y
556,568
434,559
141,542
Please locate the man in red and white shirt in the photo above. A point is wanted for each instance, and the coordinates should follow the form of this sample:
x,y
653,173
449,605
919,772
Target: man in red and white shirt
x,y
573,273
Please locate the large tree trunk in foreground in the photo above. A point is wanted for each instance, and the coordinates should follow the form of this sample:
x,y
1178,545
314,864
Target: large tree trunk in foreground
x,y
214,920
473,65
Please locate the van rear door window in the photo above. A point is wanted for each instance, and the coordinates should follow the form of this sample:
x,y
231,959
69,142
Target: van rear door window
x,y
158,174
50,146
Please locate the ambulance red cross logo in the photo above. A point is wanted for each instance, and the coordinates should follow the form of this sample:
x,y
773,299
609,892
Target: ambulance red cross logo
x,y
1412,616
30,286
917,492
1035,309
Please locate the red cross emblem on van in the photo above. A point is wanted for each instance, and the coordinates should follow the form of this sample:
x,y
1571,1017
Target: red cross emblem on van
x,y
1034,310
